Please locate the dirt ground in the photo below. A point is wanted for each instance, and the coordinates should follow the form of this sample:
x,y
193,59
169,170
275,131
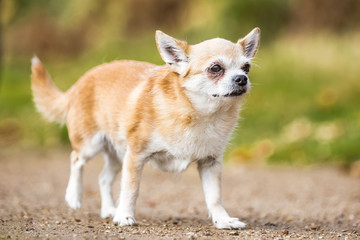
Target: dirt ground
x,y
277,203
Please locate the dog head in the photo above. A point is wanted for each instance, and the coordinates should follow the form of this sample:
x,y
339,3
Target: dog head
x,y
215,68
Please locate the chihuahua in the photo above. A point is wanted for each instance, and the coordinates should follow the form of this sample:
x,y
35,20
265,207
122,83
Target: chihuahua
x,y
136,113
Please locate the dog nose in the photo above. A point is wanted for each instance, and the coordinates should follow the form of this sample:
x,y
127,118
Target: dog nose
x,y
241,80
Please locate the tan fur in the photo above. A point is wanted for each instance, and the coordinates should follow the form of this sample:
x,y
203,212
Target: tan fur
x,y
104,90
50,101
99,96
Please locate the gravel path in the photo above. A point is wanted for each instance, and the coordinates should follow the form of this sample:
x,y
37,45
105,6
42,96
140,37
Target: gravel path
x,y
277,203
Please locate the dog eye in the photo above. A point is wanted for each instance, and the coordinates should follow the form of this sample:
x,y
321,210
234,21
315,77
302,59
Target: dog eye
x,y
246,68
216,68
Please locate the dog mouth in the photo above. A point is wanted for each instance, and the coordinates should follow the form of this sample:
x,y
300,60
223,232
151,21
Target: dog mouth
x,y
232,94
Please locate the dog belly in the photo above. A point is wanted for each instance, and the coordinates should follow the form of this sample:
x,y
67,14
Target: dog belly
x,y
166,162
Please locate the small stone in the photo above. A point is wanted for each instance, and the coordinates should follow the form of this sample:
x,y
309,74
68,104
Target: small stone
x,y
77,220
270,224
284,232
90,226
234,233
191,235
312,227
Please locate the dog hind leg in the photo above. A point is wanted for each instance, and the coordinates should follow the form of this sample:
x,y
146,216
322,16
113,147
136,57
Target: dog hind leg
x,y
106,179
77,161
74,188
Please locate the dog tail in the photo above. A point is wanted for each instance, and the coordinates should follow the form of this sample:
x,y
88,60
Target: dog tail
x,y
49,100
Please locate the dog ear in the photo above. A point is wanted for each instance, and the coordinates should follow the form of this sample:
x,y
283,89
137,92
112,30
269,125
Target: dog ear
x,y
250,43
172,51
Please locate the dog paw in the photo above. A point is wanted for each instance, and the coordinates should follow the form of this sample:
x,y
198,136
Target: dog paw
x,y
228,223
107,212
124,221
73,199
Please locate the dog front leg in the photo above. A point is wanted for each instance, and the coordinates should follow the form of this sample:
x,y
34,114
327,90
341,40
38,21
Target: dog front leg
x,y
130,182
210,171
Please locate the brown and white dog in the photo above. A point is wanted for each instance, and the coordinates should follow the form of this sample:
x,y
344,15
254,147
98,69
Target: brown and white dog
x,y
137,112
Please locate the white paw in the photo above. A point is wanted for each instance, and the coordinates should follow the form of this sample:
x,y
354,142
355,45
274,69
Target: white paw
x,y
228,223
73,198
108,211
124,221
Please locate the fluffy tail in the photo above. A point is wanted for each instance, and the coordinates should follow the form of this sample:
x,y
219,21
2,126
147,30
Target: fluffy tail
x,y
49,100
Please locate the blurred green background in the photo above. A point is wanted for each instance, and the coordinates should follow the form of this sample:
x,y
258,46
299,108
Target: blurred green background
x,y
304,104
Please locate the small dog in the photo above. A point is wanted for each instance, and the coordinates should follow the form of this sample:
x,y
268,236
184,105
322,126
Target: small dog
x,y
137,112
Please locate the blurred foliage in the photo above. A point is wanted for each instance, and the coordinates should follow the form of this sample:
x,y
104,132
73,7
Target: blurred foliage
x,y
304,105
272,15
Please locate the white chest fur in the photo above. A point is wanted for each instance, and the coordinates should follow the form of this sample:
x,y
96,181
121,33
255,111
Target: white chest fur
x,y
206,138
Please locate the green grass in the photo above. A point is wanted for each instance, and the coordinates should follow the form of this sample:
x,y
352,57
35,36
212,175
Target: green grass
x,y
303,107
